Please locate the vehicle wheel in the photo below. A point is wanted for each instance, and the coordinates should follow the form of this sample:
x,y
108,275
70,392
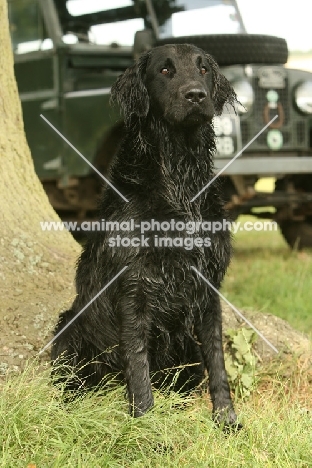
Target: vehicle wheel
x,y
298,234
237,49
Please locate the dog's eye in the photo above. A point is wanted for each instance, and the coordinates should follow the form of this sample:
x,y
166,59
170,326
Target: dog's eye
x,y
164,71
203,70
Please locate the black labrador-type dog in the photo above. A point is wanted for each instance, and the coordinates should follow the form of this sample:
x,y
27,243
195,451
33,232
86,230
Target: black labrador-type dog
x,y
158,315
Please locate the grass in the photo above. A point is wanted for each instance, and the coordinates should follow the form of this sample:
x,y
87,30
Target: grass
x,y
38,430
265,275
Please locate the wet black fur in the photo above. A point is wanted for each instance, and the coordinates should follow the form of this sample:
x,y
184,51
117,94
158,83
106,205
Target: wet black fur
x,y
158,314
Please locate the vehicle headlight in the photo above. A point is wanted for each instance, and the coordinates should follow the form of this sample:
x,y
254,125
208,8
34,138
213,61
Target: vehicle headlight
x,y
303,97
245,95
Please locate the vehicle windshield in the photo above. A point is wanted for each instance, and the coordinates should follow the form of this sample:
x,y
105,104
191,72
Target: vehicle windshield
x,y
108,22
199,17
115,22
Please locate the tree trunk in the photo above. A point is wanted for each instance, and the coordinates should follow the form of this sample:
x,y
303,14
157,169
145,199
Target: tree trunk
x,y
36,267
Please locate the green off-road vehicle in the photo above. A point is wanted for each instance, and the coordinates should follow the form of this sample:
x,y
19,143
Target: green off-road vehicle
x,y
68,53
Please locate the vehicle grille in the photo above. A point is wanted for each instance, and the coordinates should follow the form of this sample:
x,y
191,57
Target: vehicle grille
x,y
294,128
261,101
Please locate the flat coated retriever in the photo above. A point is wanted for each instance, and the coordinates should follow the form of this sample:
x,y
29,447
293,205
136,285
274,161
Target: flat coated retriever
x,y
159,314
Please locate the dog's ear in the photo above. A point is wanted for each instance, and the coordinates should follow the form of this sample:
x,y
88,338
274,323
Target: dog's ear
x,y
129,91
222,92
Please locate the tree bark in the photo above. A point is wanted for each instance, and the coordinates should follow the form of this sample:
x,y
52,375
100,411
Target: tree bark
x,y
36,267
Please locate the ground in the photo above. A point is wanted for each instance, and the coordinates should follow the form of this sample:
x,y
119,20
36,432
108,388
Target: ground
x,y
29,312
27,321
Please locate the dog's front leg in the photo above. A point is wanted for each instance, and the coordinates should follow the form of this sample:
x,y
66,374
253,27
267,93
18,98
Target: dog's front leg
x,y
134,352
209,333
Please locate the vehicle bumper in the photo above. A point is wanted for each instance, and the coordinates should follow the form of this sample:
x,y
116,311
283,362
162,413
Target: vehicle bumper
x,y
265,166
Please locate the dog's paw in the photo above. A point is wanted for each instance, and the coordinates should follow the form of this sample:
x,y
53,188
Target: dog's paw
x,y
140,409
226,419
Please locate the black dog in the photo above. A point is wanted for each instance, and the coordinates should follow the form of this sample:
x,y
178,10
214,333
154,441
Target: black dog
x,y
159,314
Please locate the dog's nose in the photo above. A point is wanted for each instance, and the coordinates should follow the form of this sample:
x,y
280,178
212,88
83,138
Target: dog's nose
x,y
195,95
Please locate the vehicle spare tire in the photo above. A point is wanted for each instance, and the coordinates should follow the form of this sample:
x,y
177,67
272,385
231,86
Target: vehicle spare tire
x,y
237,49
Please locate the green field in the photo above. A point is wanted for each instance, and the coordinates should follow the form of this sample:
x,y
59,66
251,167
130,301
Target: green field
x,y
265,275
38,430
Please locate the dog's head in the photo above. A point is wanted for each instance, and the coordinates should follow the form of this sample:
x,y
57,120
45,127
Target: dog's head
x,y
178,83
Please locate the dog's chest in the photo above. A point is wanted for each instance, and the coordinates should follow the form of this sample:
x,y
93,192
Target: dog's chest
x,y
184,175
